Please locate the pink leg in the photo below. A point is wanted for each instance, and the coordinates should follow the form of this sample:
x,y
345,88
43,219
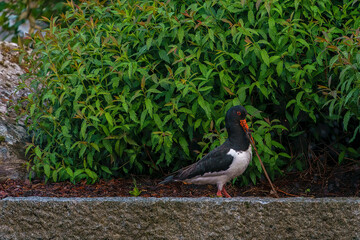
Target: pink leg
x,y
225,193
219,193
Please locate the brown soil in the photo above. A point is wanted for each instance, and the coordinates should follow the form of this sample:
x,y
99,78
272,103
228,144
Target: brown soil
x,y
343,181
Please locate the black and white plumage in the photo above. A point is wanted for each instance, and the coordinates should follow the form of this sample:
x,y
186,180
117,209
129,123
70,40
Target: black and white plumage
x,y
226,161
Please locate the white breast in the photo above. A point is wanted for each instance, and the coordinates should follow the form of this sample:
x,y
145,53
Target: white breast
x,y
240,163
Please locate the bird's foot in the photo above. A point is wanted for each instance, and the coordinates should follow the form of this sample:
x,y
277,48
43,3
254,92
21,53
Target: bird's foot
x,y
221,192
225,193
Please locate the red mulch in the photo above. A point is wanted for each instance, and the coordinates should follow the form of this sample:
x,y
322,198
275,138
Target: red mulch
x,y
338,181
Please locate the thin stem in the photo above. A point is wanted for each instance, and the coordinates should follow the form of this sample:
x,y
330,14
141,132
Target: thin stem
x,y
263,167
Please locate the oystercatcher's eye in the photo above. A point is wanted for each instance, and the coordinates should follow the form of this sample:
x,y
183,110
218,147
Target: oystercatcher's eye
x,y
238,113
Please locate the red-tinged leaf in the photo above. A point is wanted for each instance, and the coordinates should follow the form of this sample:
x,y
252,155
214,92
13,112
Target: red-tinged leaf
x,y
197,25
143,82
148,19
320,39
332,47
227,21
247,40
228,91
258,2
185,14
172,50
45,18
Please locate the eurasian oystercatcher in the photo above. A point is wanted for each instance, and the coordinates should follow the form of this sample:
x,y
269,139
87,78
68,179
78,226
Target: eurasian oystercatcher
x,y
225,162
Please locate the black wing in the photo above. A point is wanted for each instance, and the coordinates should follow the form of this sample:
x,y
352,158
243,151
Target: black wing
x,y
215,161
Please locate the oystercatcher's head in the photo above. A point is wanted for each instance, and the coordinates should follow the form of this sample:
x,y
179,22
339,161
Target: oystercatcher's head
x,y
236,124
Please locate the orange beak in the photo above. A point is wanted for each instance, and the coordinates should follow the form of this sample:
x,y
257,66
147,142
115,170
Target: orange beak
x,y
244,125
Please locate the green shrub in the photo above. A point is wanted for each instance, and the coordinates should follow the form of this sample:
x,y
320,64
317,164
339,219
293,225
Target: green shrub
x,y
343,95
143,86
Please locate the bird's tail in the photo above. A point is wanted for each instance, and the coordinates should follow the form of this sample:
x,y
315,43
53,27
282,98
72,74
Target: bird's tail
x,y
167,180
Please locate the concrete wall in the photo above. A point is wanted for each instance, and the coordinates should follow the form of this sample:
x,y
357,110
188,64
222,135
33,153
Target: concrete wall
x,y
179,218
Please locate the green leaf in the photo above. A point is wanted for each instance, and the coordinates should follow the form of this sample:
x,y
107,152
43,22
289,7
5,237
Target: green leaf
x,y
70,172
90,159
83,129
253,111
237,57
303,42
94,145
268,140
79,91
91,174
258,165
32,109
133,116
184,145
347,117
295,134
65,131
149,106
271,22
142,118
82,150
148,43
109,119
274,58
251,17
278,145
187,111
253,177
94,118
341,157
265,57
38,152
284,155
279,68
298,98
106,169
163,55
204,106
78,172
180,34
197,123
47,170
158,121
54,175
107,145
272,29
280,126
291,102
64,65
211,35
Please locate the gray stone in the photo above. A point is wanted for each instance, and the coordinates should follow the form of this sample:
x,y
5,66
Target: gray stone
x,y
179,218
12,151
13,135
10,72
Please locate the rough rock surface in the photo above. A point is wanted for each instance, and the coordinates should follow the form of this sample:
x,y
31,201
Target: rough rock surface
x,y
179,218
12,134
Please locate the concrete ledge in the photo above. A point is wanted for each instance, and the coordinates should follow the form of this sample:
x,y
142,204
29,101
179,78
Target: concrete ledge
x,y
179,218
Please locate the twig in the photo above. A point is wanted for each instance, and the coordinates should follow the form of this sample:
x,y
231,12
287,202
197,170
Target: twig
x,y
263,167
289,194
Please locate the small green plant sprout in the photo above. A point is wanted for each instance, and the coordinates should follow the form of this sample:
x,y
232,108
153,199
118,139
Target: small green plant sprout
x,y
307,190
135,192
